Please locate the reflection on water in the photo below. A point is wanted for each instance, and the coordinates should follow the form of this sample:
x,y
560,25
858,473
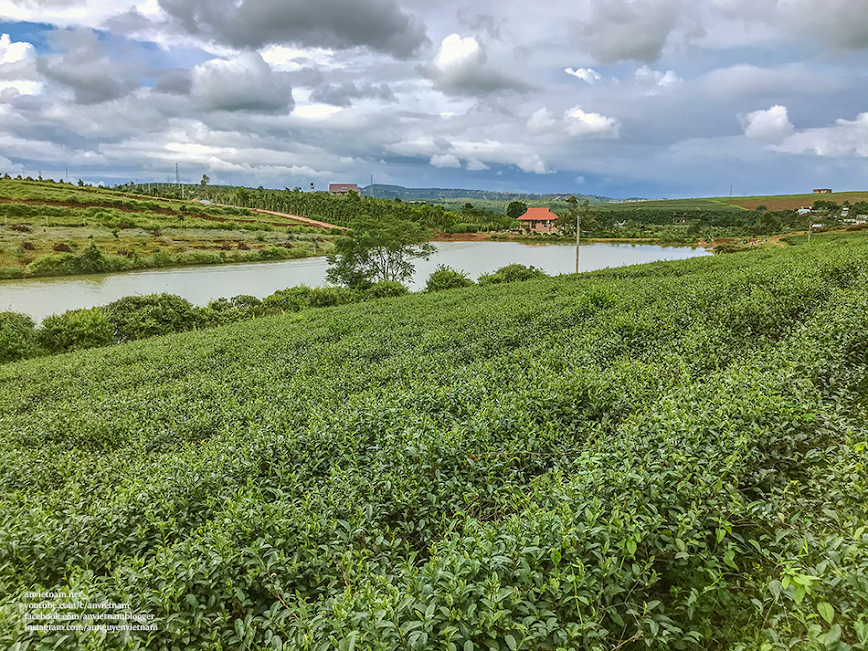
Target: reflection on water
x,y
40,297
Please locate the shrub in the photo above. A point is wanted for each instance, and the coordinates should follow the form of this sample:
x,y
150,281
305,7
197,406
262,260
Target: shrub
x,y
138,317
75,330
21,228
446,278
28,246
387,289
292,299
242,246
17,337
60,247
511,273
330,296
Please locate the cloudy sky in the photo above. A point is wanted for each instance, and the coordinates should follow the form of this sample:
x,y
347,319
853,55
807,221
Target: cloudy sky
x,y
622,98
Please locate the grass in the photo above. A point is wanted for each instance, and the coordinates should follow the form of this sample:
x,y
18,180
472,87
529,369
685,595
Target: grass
x,y
667,456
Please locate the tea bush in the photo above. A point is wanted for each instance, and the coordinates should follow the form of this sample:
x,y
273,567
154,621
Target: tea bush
x,y
669,456
138,317
76,329
17,336
444,277
511,273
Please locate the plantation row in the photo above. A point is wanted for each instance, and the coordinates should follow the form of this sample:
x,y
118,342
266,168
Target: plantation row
x,y
667,456
139,317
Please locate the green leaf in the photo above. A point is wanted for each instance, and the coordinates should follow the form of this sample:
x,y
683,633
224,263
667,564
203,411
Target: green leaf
x,y
832,636
510,642
631,547
468,646
555,555
826,611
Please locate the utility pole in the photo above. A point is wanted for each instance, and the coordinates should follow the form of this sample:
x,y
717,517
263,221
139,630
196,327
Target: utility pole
x,y
730,191
372,185
67,175
578,236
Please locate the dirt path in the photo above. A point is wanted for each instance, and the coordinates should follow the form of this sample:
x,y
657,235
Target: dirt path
x,y
304,220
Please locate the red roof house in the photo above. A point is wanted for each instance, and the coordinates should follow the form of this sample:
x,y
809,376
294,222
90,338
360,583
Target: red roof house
x,y
541,220
343,188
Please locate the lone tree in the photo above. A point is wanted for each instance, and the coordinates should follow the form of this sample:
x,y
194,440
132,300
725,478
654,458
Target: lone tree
x,y
205,180
566,222
377,249
516,209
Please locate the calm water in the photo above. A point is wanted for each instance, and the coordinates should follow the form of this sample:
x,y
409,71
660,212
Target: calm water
x,y
40,297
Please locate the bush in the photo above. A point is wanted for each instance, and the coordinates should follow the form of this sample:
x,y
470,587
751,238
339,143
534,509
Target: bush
x,y
292,299
511,273
330,296
17,337
446,278
387,289
60,247
75,330
138,317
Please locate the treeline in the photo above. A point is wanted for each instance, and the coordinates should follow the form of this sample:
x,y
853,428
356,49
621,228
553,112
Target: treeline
x,y
342,210
139,317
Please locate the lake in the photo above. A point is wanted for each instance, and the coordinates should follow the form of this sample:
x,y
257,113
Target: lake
x,y
40,297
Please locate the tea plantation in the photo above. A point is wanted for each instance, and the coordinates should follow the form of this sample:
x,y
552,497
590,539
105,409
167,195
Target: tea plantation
x,y
668,456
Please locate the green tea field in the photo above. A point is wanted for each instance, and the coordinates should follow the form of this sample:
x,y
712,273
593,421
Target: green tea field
x,y
665,456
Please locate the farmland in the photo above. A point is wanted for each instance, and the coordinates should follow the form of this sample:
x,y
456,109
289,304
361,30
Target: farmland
x,y
57,229
666,456
792,201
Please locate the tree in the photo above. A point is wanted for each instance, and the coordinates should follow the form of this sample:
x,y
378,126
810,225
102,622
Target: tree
x,y
516,209
566,222
243,196
377,249
205,180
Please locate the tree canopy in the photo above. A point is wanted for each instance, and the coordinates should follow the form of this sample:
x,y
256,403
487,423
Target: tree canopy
x,y
377,250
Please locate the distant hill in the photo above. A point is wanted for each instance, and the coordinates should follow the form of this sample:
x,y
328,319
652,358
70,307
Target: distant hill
x,y
444,194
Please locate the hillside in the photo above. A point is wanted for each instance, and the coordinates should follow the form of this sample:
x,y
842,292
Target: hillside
x,y
792,201
53,229
668,456
439,195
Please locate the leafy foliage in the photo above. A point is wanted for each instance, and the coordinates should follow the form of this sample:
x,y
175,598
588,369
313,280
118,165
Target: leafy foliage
x,y
76,329
444,277
17,336
668,456
377,250
511,273
138,317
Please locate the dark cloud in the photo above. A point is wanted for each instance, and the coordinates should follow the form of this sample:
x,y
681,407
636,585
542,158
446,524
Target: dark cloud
x,y
174,82
344,94
381,25
84,66
618,30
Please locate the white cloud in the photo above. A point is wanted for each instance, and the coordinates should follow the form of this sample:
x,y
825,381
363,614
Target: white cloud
x,y
461,67
494,151
588,75
456,51
591,125
772,124
18,67
244,83
445,160
845,138
542,121
645,76
475,165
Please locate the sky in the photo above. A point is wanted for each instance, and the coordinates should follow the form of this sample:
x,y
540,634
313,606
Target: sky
x,y
621,98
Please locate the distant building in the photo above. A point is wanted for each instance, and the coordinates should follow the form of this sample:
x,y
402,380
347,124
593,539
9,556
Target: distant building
x,y
822,191
539,220
804,211
343,188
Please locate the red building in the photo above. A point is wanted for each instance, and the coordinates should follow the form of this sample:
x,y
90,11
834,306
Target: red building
x,y
343,188
540,220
